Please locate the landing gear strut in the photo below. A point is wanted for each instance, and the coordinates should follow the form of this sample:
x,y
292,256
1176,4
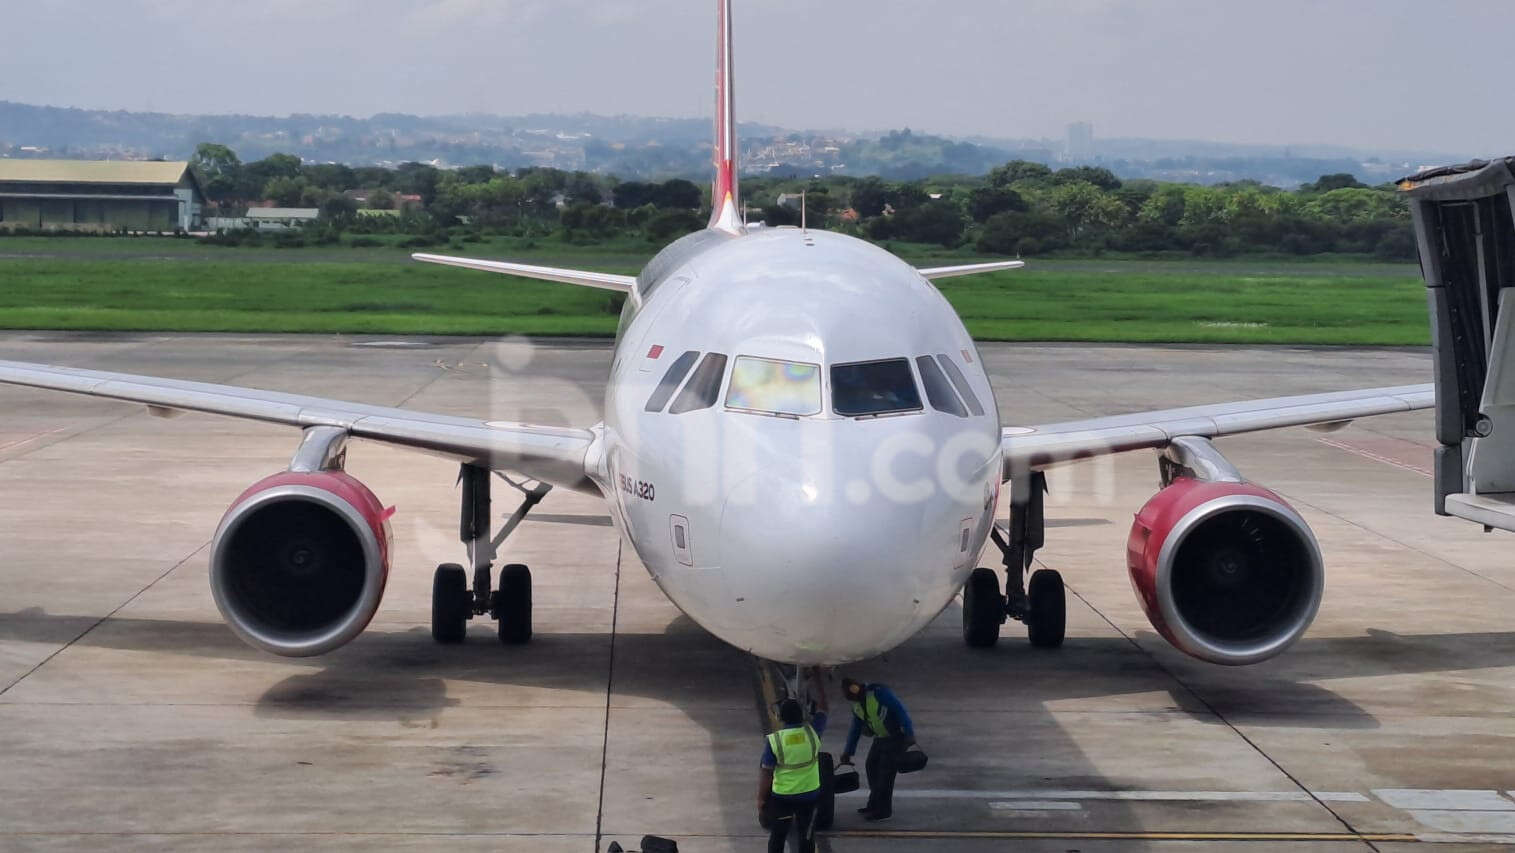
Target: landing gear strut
x,y
1041,605
776,682
453,600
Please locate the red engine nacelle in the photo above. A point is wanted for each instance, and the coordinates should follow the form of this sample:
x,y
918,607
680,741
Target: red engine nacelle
x,y
300,560
1227,572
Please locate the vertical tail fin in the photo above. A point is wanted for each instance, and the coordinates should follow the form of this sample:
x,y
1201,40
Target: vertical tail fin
x,y
725,203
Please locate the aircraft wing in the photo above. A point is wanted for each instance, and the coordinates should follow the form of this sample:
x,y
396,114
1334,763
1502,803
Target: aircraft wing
x,y
583,278
551,454
1029,448
934,273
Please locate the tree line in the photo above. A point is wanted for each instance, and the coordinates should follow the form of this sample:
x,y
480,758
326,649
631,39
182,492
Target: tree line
x,y
1017,208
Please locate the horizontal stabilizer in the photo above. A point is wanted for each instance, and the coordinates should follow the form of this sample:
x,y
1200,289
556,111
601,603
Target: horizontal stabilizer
x,y
969,269
583,278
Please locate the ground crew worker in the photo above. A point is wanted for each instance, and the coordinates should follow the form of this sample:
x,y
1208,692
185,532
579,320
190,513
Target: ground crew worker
x,y
790,782
878,713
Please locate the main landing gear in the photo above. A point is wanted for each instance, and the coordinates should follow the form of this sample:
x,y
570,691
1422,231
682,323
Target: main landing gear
x,y
453,600
1041,604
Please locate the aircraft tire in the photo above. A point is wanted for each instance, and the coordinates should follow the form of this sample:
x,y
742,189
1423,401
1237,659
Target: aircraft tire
x,y
825,804
983,609
1047,614
450,604
512,604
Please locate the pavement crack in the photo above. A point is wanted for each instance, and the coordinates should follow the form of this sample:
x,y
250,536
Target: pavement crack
x,y
615,616
98,622
1215,712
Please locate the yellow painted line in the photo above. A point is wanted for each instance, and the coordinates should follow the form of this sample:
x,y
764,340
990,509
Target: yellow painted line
x,y
1129,836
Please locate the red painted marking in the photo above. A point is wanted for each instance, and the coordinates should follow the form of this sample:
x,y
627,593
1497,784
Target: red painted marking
x,y
1390,451
968,356
22,441
656,351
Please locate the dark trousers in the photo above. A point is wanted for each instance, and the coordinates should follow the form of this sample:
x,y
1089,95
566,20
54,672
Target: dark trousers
x,y
791,817
882,766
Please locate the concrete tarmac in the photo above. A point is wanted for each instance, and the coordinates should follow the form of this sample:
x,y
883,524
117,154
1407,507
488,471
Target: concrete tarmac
x,y
132,719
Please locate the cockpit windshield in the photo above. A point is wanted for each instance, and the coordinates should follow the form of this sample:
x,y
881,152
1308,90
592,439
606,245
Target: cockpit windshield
x,y
774,387
874,388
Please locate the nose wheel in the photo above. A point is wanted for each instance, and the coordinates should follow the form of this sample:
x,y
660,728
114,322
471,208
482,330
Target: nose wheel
x,y
453,602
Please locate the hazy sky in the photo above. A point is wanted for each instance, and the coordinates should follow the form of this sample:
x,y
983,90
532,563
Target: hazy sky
x,y
1431,75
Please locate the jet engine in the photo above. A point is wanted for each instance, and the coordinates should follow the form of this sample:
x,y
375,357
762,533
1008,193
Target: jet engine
x,y
299,561
1226,571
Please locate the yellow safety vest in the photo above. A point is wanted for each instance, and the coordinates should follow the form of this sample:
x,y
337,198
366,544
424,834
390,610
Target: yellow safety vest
x,y
868,711
797,753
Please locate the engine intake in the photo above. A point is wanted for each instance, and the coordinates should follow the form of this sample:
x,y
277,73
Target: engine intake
x,y
300,560
1226,571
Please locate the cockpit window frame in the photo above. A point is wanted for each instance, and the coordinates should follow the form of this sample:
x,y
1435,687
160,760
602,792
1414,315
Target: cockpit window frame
x,y
915,387
939,388
820,387
699,393
671,380
960,382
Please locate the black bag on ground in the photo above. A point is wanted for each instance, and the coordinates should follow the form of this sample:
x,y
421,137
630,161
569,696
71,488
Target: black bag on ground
x,y
654,844
844,780
912,760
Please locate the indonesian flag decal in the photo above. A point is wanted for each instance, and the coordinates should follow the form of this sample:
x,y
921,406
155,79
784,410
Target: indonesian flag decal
x,y
649,360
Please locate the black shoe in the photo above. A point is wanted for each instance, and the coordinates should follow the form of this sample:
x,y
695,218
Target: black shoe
x,y
865,810
877,817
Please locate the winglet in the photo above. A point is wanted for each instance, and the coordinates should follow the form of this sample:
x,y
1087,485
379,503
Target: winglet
x,y
725,201
969,269
583,278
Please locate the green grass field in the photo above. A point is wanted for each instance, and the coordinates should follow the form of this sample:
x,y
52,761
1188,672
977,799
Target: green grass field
x,y
164,284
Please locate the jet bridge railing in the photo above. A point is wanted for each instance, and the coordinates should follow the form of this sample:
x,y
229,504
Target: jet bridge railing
x,y
1465,230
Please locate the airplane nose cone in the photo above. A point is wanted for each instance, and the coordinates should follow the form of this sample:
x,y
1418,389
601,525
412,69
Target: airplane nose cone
x,y
820,578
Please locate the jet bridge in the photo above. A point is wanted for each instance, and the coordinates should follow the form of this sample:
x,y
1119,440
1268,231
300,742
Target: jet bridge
x,y
1465,229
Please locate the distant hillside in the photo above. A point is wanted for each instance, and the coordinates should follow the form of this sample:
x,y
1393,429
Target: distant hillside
x,y
636,147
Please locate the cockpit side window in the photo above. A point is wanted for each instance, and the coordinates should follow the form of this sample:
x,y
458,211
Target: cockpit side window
x,y
670,381
938,389
960,382
704,387
774,387
873,388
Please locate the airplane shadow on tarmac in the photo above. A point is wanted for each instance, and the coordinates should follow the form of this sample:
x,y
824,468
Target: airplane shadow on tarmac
x,y
402,675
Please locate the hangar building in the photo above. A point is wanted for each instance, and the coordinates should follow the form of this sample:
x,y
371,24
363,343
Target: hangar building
x,y
99,195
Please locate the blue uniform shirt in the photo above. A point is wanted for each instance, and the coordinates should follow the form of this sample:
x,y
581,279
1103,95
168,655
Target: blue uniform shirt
x,y
896,718
770,761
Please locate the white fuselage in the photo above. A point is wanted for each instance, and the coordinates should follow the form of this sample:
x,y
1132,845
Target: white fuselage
x,y
810,538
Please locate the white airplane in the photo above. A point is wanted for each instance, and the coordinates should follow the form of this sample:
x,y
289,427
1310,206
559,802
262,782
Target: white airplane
x,y
802,446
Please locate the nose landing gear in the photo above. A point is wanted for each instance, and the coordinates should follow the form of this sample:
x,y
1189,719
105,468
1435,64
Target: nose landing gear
x,y
1041,605
774,682
453,603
